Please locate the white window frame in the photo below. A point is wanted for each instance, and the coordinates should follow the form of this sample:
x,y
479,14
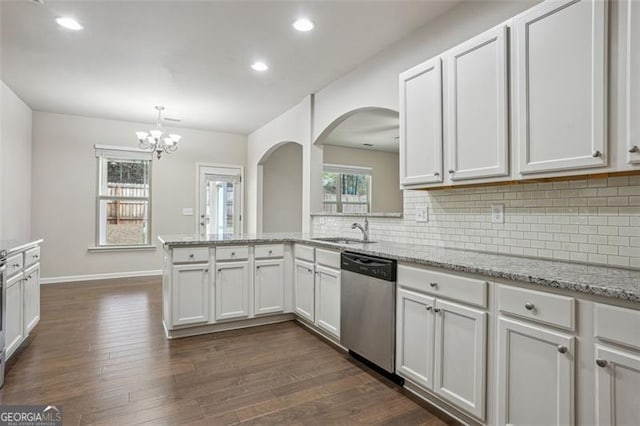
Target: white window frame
x,y
105,153
348,170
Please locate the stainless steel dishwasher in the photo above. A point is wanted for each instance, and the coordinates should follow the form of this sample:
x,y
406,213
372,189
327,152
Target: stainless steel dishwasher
x,y
368,308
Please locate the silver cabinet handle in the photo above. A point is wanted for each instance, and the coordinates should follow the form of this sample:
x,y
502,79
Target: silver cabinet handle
x,y
206,270
436,173
201,223
433,284
233,253
596,154
35,256
258,267
451,171
219,269
270,252
529,306
601,363
436,310
309,270
428,308
191,256
29,277
562,349
634,148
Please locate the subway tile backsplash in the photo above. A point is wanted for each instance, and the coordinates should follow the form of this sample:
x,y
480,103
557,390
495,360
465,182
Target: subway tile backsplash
x,y
590,220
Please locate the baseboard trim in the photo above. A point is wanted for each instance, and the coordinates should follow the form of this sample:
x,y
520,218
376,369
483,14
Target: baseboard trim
x,y
94,277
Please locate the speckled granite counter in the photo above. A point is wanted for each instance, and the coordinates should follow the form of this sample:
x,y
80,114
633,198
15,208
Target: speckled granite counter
x,y
598,280
11,246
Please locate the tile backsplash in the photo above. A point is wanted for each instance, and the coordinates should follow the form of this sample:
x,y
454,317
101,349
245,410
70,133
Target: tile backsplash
x,y
589,220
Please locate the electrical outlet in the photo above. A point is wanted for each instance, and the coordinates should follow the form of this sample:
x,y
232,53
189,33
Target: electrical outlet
x,y
187,211
422,214
497,213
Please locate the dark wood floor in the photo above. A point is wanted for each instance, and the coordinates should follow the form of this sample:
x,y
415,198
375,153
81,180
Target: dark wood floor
x,y
100,352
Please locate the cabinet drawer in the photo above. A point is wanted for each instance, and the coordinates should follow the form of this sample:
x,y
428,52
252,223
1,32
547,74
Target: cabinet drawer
x,y
31,256
537,306
328,258
464,289
305,253
190,255
232,253
619,325
269,251
14,264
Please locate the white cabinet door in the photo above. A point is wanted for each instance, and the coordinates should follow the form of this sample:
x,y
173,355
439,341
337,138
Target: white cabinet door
x,y
31,298
269,286
328,300
561,86
477,115
15,314
460,354
304,290
535,375
232,290
617,386
632,91
190,304
415,337
421,124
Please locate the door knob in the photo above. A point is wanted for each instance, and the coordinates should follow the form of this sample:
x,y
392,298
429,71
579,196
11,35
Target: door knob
x,y
601,363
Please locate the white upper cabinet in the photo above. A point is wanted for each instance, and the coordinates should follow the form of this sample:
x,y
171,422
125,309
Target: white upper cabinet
x,y
477,107
561,96
421,124
632,81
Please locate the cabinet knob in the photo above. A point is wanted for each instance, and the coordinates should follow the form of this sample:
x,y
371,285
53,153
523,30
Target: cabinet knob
x,y
436,310
191,256
258,267
219,269
596,154
436,173
433,284
451,171
206,270
270,252
428,308
634,148
29,277
16,265
529,306
562,349
233,253
201,223
601,363
35,256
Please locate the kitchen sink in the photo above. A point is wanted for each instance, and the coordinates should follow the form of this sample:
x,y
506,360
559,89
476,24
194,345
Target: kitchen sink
x,y
342,240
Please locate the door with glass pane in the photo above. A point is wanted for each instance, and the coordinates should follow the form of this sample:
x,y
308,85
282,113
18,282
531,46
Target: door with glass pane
x,y
220,195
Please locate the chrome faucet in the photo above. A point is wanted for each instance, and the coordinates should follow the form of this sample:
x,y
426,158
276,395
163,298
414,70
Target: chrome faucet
x,y
364,229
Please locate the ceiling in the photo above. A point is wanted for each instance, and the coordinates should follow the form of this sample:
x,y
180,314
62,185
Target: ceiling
x,y
375,127
192,56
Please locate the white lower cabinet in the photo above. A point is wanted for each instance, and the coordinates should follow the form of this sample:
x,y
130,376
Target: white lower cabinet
x,y
327,295
617,386
414,337
304,297
460,350
232,290
190,304
269,286
31,298
15,331
535,375
441,346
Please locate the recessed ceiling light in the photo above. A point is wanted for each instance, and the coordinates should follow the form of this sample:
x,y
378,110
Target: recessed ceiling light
x,y
303,24
259,66
69,23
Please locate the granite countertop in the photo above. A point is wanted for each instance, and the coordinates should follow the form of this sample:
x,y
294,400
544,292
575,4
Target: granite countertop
x,y
12,246
605,281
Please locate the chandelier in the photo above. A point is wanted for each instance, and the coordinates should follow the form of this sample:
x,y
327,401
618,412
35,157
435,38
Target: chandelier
x,y
157,140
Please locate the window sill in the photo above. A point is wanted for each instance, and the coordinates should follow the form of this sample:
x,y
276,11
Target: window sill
x,y
122,248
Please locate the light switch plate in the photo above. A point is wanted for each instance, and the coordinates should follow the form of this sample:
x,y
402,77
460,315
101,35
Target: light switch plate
x,y
422,214
187,211
497,213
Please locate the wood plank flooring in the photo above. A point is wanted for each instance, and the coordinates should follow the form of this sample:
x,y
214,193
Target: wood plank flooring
x,y
100,352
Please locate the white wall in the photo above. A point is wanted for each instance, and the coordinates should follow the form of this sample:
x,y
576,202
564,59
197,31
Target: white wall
x,y
282,190
385,174
64,189
15,166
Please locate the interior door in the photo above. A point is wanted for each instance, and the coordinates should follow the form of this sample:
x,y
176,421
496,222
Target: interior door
x,y
220,201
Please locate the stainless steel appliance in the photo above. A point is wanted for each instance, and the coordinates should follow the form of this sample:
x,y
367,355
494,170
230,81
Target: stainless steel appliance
x,y
368,308
3,311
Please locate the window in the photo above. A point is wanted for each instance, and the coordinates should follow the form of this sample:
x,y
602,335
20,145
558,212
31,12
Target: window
x,y
346,189
124,197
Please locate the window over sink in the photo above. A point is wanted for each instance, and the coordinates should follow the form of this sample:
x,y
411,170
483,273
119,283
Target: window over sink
x,y
123,202
346,189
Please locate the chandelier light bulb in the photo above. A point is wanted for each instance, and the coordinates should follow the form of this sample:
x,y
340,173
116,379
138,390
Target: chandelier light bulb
x,y
142,136
156,140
